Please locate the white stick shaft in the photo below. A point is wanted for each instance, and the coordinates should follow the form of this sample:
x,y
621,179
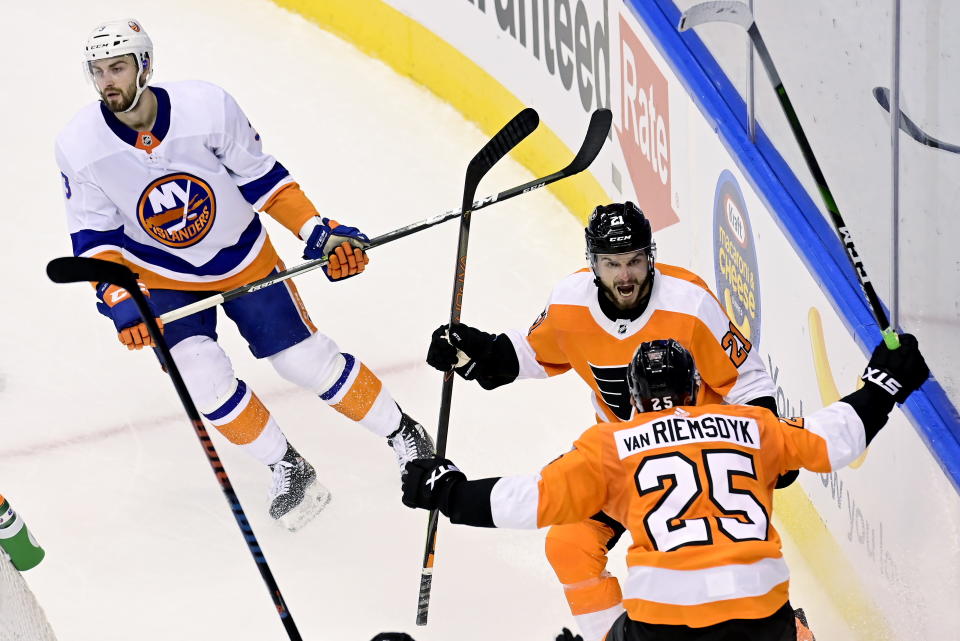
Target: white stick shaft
x,y
192,308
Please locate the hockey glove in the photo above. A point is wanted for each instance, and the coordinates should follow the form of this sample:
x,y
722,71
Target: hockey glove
x,y
342,246
567,635
117,305
461,349
898,372
392,636
427,482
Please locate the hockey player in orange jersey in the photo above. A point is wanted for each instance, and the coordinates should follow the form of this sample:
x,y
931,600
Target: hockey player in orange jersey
x,y
167,179
694,486
593,322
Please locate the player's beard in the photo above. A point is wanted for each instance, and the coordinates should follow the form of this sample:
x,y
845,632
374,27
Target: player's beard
x,y
626,294
117,104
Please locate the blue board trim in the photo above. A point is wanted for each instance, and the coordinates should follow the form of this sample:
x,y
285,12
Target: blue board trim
x,y
932,413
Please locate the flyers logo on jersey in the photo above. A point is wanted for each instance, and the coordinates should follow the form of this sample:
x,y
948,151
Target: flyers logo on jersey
x,y
612,385
177,210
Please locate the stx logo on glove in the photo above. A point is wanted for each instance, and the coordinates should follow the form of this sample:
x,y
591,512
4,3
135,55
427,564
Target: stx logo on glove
x,y
882,379
439,473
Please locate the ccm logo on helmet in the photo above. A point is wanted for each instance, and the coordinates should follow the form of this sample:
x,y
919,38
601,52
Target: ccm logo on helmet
x,y
618,239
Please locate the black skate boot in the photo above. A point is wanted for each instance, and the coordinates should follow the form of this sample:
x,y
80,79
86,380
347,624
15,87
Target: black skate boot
x,y
296,496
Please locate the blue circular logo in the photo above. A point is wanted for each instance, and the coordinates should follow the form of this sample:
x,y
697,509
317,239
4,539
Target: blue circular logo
x,y
735,253
178,210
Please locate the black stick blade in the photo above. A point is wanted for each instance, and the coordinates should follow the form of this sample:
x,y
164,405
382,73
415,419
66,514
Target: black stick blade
x,y
75,270
512,133
597,133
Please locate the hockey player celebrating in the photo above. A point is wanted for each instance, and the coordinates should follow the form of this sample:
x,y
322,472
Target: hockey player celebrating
x,y
593,322
694,486
167,179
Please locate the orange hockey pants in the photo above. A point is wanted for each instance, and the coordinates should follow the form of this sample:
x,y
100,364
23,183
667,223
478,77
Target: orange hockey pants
x,y
578,554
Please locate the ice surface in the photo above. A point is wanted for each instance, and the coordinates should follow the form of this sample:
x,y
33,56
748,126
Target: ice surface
x,y
96,452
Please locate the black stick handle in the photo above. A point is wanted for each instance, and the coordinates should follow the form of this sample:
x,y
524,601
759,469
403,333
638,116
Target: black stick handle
x,y
521,126
69,270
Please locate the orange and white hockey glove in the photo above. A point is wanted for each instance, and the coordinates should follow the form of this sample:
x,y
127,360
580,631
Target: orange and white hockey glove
x,y
117,305
342,246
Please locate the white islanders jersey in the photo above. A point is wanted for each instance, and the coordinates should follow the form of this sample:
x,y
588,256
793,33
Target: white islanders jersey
x,y
177,203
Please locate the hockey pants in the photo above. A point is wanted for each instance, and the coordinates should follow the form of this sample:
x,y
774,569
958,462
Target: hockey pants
x,y
578,554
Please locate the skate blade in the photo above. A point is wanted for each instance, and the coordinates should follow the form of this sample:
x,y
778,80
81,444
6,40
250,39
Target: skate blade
x,y
314,500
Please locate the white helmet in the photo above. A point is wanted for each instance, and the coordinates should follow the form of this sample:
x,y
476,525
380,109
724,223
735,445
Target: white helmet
x,y
119,38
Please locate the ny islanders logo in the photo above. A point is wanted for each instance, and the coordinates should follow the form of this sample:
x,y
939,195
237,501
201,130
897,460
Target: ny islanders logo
x,y
177,210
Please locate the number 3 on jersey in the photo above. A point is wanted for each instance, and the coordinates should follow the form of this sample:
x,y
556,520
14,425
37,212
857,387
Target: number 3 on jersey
x,y
736,345
665,525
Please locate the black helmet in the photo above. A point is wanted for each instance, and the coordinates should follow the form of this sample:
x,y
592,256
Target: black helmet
x,y
662,374
618,229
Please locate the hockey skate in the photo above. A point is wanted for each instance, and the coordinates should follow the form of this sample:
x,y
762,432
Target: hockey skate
x,y
296,496
410,442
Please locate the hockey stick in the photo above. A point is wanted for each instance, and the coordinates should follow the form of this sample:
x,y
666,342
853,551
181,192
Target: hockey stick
x,y
72,270
596,134
521,126
739,14
882,94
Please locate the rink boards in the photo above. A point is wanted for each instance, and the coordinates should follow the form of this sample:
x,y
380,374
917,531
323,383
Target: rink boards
x,y
880,536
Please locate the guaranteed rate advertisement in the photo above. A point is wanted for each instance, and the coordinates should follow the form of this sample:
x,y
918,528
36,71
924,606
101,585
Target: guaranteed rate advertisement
x,y
881,535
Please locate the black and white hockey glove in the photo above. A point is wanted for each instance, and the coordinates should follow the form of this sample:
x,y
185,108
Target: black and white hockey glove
x,y
427,483
567,635
490,359
891,376
898,372
461,348
436,483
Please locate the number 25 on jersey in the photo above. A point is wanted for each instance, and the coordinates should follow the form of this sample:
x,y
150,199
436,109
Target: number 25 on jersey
x,y
665,523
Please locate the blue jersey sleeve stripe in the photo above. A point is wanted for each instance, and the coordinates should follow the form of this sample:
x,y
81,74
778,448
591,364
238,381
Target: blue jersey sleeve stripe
x,y
87,239
257,189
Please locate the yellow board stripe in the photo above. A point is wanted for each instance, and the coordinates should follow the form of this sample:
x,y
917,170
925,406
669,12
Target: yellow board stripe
x,y
413,50
416,52
840,581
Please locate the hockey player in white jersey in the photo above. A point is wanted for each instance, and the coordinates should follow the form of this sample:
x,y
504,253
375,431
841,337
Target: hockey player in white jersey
x,y
168,179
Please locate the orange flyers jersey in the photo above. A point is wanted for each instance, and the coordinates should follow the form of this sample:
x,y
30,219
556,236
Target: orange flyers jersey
x,y
694,486
573,332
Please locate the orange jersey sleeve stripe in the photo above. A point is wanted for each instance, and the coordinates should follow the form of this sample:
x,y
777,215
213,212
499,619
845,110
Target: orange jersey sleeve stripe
x,y
361,395
290,207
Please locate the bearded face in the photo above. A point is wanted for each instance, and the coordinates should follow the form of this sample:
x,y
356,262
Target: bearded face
x,y
116,81
623,277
